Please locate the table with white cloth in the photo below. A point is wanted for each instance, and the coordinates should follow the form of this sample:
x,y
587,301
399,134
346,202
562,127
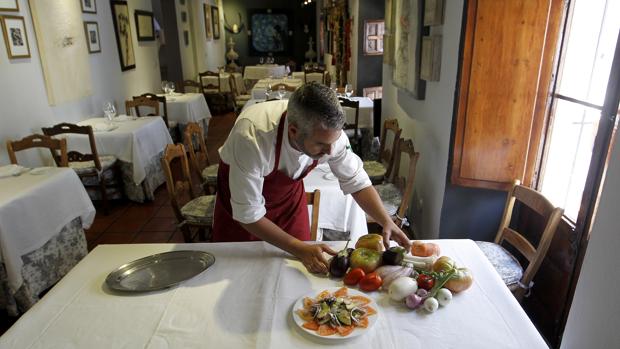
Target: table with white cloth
x,y
257,72
184,108
337,211
260,88
245,300
138,144
42,216
224,82
318,77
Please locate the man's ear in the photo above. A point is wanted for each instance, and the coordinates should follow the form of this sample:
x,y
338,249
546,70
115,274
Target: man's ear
x,y
293,130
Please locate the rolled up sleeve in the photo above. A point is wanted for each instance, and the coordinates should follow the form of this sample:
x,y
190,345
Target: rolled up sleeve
x,y
348,167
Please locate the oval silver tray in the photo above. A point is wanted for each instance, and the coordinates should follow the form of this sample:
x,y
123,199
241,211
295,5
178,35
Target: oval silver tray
x,y
159,271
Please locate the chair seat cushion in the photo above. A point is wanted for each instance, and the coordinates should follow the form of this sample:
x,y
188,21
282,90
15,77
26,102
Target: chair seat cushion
x,y
390,196
86,167
209,174
503,261
376,170
199,210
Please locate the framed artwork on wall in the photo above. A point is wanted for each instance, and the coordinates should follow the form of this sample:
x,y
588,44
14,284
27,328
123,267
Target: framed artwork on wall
x,y
15,37
88,6
408,47
430,63
215,19
270,32
208,24
92,37
9,5
145,28
433,12
122,29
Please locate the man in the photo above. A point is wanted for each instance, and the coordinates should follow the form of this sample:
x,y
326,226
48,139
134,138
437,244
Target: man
x,y
269,151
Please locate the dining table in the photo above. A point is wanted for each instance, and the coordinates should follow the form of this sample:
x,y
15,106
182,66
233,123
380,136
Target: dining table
x,y
248,299
260,88
224,82
184,108
138,143
43,214
261,71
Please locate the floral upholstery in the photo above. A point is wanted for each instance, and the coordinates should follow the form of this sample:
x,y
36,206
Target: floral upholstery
x,y
335,235
390,196
145,190
199,210
503,261
86,167
376,171
209,174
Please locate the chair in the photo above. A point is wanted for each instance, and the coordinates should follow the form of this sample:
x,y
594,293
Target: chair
x,y
195,141
94,170
509,268
142,102
210,87
185,84
314,199
240,98
190,210
379,170
171,125
288,88
352,129
314,74
397,193
58,148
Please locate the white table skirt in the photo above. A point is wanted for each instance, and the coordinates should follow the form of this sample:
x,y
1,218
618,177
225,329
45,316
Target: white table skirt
x,y
33,208
245,301
187,107
257,72
336,211
136,141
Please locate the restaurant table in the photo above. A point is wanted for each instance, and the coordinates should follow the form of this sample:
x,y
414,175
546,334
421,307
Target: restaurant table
x,y
257,72
259,89
187,107
224,82
138,144
318,77
42,216
337,211
245,300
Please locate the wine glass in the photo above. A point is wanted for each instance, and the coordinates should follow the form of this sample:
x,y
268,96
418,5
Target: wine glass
x,y
171,87
281,92
333,87
164,86
348,90
268,91
109,111
261,60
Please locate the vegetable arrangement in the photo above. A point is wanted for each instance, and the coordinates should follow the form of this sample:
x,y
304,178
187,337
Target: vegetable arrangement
x,y
420,279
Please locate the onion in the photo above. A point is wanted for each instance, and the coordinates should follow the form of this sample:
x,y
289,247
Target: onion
x,y
431,304
422,293
400,272
413,301
460,281
386,270
444,296
402,287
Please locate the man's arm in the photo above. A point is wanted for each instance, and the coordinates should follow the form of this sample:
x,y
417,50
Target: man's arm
x,y
370,202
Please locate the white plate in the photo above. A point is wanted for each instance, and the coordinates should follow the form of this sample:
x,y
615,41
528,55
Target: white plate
x,y
40,170
358,331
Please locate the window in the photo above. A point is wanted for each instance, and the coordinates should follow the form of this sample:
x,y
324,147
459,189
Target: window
x,y
373,37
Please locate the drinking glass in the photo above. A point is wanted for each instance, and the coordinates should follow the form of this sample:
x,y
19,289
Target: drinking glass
x,y
348,90
268,91
109,112
171,87
281,92
164,86
261,60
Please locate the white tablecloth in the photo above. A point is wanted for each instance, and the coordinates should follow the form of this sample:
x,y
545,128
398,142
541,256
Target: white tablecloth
x,y
33,208
257,72
187,107
134,141
337,211
258,91
318,77
245,301
365,118
225,82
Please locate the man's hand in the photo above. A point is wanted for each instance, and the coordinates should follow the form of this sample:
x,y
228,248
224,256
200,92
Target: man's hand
x,y
392,231
311,255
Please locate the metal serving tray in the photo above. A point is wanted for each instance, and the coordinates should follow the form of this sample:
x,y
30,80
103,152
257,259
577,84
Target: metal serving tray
x,y
159,271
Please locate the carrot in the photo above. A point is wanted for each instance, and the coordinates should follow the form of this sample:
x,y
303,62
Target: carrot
x,y
363,323
345,330
326,330
421,249
311,325
305,314
360,299
341,292
370,311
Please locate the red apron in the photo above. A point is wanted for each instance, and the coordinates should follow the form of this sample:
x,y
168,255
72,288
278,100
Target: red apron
x,y
285,202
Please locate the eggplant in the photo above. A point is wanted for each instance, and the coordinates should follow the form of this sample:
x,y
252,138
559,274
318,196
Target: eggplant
x,y
339,264
394,255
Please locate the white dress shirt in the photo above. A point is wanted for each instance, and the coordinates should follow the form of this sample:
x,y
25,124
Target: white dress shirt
x,y
250,150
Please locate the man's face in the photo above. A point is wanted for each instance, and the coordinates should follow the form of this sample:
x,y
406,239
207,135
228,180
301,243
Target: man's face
x,y
318,143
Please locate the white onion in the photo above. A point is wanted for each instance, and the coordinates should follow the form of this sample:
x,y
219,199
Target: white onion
x,y
444,296
431,304
402,287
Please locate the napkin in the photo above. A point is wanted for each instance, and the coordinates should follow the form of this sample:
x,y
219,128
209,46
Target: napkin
x,y
104,127
10,170
124,118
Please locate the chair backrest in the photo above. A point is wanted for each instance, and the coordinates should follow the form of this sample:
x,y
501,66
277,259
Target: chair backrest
x,y
312,74
288,88
347,103
185,84
405,184
534,255
58,147
234,88
387,155
178,178
160,99
64,128
142,102
314,199
210,87
194,139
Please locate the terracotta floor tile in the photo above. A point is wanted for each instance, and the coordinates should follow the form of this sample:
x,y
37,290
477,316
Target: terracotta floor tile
x,y
177,238
92,235
140,211
165,212
101,223
127,225
152,237
160,224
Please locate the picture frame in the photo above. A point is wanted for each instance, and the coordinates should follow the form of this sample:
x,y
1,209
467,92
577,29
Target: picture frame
x,y
122,30
183,16
186,37
433,12
430,62
9,5
89,6
145,28
208,25
407,47
15,36
270,32
215,20
93,42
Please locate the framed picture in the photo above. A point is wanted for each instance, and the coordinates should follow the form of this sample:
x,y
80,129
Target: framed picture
x,y
215,19
430,63
88,6
433,12
186,37
122,29
208,24
9,5
270,32
15,37
408,47
92,37
145,28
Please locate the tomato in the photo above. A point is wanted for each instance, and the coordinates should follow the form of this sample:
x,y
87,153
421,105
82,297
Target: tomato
x,y
426,282
371,282
354,276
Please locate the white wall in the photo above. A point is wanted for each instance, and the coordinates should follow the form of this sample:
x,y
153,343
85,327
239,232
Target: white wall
x,y
23,100
428,122
202,54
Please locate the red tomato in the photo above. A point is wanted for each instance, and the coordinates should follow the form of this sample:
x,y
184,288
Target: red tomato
x,y
371,282
426,282
354,276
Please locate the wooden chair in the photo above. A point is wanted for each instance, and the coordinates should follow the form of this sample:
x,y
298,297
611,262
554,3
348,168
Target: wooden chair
x,y
94,170
397,193
379,170
142,102
352,129
314,74
191,211
509,268
189,84
240,98
210,87
314,199
198,154
57,147
288,88
173,127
